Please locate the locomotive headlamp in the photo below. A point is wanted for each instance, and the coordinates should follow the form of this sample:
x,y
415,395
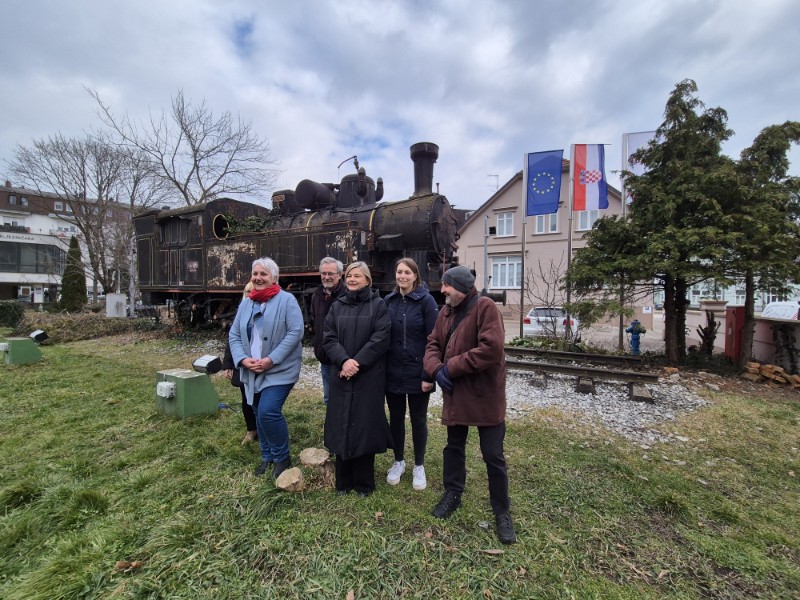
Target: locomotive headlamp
x,y
38,336
208,364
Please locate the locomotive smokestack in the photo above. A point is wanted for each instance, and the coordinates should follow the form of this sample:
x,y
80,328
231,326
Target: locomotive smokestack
x,y
424,154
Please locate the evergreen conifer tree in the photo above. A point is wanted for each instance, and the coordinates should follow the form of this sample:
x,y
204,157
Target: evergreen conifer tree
x,y
73,283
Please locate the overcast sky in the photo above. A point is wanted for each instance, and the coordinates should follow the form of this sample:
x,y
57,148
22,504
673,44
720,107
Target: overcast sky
x,y
323,80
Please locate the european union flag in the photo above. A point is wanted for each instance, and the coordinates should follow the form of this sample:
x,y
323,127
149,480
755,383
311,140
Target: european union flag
x,y
543,185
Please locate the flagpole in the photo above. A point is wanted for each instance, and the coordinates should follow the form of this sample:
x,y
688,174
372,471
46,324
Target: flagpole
x,y
569,221
522,255
623,167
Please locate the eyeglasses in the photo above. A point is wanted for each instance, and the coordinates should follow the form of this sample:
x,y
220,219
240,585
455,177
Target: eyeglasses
x,y
328,274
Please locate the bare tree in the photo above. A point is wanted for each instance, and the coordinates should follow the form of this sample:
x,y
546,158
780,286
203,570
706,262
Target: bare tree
x,y
84,174
544,283
143,189
201,156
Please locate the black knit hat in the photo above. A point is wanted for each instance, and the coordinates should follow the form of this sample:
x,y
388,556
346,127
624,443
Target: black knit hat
x,y
460,278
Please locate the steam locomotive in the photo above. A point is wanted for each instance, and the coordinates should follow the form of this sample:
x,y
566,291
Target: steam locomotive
x,y
198,259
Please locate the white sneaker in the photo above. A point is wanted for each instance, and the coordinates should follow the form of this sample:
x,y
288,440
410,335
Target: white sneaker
x,y
394,474
420,483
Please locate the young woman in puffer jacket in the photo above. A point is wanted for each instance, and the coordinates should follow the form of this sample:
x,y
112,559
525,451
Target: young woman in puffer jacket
x,y
413,312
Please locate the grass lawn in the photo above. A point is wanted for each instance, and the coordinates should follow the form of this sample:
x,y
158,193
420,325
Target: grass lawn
x,y
91,474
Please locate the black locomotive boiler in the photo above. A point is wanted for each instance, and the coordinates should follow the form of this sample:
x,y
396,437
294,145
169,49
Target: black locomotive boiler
x,y
198,258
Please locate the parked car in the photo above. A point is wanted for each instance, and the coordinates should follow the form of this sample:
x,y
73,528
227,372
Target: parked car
x,y
550,321
781,310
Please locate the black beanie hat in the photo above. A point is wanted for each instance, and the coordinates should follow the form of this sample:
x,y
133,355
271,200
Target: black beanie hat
x,y
460,278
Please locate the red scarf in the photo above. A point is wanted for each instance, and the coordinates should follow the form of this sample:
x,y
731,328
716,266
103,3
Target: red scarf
x,y
265,294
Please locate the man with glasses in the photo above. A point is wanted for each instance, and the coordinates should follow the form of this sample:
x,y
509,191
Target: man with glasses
x,y
330,271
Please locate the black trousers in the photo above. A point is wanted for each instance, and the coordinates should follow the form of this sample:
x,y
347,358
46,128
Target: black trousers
x,y
249,411
356,474
418,411
455,467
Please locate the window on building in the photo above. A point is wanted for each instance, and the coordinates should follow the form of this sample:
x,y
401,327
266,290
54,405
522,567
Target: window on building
x,y
586,219
506,272
505,224
12,199
695,293
546,223
740,296
8,256
23,201
14,221
68,208
775,297
58,206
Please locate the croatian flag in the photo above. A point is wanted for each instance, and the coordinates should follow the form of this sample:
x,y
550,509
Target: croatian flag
x,y
590,191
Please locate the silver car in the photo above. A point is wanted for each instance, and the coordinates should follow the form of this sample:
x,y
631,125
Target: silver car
x,y
550,321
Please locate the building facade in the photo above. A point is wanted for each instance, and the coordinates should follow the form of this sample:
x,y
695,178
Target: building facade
x,y
506,249
34,239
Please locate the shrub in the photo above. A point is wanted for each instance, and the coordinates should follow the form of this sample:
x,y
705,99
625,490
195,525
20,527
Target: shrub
x,y
11,313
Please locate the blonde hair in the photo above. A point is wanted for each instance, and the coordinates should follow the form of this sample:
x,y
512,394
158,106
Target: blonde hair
x,y
247,289
359,264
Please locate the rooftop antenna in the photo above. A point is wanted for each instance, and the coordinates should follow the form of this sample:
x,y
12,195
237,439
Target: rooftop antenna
x,y
496,181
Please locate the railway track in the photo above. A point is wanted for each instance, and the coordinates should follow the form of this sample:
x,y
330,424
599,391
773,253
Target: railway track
x,y
556,360
582,371
583,357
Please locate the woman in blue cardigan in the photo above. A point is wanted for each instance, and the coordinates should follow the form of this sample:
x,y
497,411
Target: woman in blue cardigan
x,y
413,312
265,341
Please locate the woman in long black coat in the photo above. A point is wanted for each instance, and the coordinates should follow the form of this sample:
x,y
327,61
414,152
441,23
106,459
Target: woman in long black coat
x,y
356,338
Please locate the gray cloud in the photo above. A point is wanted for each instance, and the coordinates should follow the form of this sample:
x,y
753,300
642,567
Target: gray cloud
x,y
487,81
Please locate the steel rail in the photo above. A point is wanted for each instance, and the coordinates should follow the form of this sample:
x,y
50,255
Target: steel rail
x,y
574,356
577,371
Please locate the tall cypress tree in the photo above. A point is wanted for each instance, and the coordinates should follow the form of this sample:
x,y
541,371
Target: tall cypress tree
x,y
73,283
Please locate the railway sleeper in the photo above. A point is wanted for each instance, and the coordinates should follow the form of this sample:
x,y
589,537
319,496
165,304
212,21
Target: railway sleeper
x,y
585,385
639,392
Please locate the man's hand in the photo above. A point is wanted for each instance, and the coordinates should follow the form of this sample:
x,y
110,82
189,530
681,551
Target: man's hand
x,y
444,381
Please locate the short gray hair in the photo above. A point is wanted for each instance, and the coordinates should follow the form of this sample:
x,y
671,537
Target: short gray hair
x,y
268,264
329,260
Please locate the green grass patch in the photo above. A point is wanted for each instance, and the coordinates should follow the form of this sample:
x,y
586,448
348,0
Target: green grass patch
x,y
103,497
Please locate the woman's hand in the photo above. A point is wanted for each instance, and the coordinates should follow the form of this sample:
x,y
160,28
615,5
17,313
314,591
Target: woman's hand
x,y
427,386
257,365
228,373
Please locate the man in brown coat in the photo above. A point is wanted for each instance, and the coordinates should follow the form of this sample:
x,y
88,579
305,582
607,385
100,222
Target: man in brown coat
x,y
465,354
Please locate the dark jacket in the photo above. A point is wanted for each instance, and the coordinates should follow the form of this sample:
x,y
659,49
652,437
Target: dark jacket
x,y
320,305
358,327
227,363
413,317
475,358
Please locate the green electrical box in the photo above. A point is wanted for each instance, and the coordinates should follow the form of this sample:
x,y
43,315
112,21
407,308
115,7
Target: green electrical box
x,y
183,393
20,351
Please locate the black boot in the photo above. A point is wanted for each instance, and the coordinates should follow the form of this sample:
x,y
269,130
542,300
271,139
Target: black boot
x,y
505,528
447,505
262,468
280,466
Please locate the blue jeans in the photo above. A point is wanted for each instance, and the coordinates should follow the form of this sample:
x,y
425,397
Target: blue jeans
x,y
273,432
326,381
